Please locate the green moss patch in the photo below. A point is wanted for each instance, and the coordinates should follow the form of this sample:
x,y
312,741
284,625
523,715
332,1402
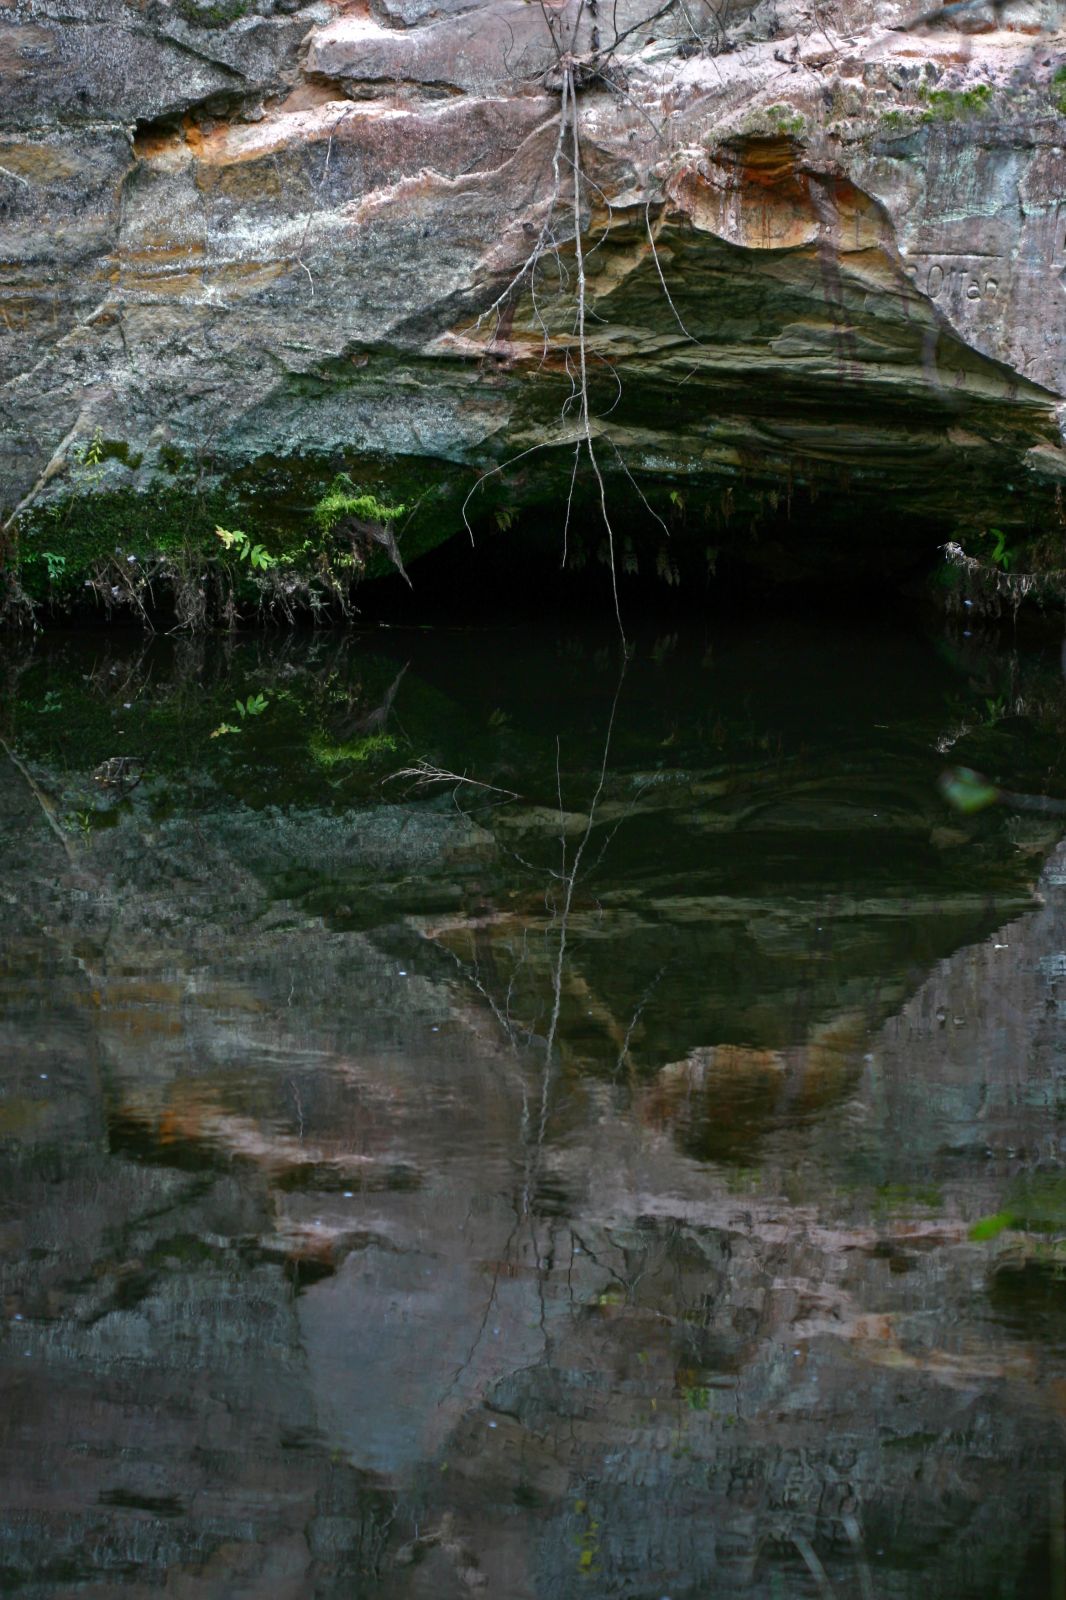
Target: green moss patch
x,y
342,499
285,545
72,543
955,105
1058,90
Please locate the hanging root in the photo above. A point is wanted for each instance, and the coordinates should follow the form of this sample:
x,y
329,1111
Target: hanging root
x,y
573,70
582,355
989,586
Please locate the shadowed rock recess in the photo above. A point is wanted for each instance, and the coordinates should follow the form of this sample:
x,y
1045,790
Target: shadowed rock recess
x,y
248,245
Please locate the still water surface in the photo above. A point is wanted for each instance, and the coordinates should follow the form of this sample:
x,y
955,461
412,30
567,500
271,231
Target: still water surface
x,y
637,1174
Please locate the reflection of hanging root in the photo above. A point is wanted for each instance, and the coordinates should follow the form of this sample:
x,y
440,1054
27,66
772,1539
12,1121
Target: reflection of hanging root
x,y
47,809
424,773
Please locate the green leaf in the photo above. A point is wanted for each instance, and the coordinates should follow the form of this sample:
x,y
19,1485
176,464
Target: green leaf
x,y
967,790
1001,555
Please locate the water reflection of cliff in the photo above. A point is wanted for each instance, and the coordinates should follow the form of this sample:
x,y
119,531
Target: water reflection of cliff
x,y
321,1280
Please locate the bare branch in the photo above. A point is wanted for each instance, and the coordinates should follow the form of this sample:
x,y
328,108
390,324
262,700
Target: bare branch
x,y
423,774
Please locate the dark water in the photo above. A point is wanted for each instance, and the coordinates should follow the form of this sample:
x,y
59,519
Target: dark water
x,y
636,1172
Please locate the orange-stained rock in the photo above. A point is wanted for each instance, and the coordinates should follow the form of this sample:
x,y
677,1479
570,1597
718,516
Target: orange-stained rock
x,y
843,235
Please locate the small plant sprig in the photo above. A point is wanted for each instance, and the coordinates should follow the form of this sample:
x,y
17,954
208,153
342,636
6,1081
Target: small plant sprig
x,y
90,459
56,564
255,554
1058,90
1002,555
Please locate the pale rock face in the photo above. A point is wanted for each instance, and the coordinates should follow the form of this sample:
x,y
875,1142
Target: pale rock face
x,y
270,233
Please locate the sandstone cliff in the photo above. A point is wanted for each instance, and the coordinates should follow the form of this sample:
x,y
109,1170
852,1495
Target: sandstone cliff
x,y
249,243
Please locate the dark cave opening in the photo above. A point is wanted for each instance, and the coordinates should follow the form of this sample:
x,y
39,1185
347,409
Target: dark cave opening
x,y
681,553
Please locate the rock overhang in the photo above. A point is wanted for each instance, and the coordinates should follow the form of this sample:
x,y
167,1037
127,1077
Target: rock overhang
x,y
834,259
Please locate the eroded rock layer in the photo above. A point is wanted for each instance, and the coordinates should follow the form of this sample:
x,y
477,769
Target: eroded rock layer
x,y
248,247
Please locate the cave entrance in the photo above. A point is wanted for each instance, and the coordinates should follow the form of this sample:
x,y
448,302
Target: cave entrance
x,y
675,550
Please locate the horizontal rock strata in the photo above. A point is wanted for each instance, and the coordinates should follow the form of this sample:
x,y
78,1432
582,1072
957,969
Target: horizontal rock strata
x,y
249,247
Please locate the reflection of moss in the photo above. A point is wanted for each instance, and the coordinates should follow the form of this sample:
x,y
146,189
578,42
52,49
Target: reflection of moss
x,y
896,1199
1036,1205
362,750
166,716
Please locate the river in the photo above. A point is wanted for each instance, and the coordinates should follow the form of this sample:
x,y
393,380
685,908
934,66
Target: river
x,y
478,1118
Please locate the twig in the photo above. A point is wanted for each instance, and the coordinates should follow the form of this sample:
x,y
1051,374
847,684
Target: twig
x,y
316,196
662,280
424,773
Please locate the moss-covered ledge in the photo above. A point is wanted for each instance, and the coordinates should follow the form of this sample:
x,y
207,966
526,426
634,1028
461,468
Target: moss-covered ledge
x,y
272,538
